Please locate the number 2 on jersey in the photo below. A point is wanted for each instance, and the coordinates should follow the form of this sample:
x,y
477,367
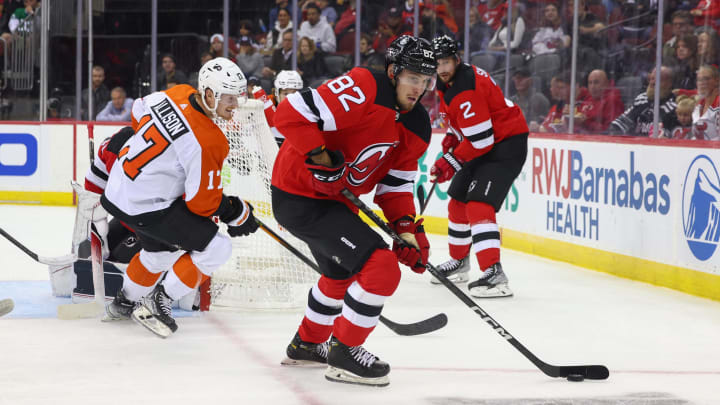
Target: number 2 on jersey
x,y
158,144
339,85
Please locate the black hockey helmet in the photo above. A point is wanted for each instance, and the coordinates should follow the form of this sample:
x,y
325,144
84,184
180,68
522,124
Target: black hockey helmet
x,y
444,46
411,53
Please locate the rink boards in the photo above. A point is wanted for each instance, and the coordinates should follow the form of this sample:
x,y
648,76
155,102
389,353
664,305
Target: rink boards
x,y
638,208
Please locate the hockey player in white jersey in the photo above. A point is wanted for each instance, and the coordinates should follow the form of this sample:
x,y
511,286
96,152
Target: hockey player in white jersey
x,y
167,185
286,82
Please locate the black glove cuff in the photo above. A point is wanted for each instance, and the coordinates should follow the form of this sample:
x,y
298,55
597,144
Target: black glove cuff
x,y
230,208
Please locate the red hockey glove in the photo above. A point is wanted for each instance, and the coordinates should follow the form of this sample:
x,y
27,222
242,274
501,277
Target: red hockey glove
x,y
239,218
450,142
329,180
445,168
415,254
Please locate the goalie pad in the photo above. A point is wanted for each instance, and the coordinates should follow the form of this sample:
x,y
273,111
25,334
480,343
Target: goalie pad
x,y
89,211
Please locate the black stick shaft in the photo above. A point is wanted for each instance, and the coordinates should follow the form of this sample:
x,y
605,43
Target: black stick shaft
x,y
592,372
427,198
19,245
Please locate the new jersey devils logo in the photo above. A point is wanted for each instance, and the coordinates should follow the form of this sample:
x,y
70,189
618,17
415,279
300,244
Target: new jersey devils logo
x,y
368,161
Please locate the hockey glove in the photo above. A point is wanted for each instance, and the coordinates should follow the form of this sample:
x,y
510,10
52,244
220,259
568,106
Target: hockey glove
x,y
239,218
450,142
445,168
416,252
329,180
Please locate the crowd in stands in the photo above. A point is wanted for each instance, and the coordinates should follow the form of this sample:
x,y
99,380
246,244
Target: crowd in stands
x,y
615,75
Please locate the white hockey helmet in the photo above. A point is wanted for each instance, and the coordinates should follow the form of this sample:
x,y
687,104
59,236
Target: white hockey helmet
x,y
288,79
222,76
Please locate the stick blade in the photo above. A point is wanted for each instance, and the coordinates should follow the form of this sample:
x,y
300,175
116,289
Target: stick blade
x,y
594,372
80,311
59,260
418,328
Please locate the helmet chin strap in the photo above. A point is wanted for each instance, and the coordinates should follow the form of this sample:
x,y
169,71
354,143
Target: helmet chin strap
x,y
212,110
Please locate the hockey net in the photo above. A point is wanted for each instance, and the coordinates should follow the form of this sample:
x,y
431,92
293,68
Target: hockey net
x,y
261,273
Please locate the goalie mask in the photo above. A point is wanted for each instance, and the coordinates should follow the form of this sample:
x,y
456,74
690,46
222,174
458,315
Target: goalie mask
x,y
225,79
287,79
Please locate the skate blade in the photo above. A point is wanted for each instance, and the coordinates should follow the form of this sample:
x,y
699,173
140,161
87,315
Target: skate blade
x,y
144,317
343,376
497,291
109,318
287,361
457,278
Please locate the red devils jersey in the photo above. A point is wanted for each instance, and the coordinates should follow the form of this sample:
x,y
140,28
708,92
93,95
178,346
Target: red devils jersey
x,y
106,156
475,107
269,108
357,115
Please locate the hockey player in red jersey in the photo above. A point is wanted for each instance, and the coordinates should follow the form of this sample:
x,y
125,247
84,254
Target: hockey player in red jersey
x,y
286,82
483,154
360,131
167,184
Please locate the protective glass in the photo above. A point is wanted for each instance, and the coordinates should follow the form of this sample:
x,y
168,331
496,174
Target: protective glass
x,y
414,79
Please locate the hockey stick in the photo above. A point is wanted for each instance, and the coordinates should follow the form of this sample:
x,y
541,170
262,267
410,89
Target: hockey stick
x,y
97,306
592,372
51,261
6,306
418,328
427,199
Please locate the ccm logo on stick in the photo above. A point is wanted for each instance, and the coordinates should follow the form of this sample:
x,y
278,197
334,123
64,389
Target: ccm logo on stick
x,y
11,159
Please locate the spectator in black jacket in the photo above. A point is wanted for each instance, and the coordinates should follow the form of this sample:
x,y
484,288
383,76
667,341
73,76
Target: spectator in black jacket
x,y
310,63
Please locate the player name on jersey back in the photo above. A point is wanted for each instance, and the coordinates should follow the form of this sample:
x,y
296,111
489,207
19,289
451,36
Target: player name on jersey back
x,y
169,119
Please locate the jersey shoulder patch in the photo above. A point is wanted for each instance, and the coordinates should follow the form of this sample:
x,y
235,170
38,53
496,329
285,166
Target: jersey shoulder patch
x,y
417,121
464,80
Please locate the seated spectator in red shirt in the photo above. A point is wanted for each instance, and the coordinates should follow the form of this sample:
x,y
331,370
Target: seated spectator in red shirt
x,y
706,12
599,105
493,12
557,119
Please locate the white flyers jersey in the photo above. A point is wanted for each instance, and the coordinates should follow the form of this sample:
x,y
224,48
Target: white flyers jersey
x,y
176,150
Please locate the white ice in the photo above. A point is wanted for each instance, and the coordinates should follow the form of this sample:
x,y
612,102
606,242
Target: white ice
x,y
661,346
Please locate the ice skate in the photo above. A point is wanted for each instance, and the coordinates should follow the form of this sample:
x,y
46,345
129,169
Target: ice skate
x,y
119,309
493,283
305,354
154,313
455,270
355,365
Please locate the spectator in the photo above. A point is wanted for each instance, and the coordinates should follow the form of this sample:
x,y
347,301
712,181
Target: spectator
x,y
493,13
327,12
708,47
280,58
706,114
317,29
637,120
533,104
551,37
100,93
170,73
684,115
590,46
118,109
498,42
480,33
21,14
5,15
310,63
706,13
346,23
685,66
275,35
557,119
274,13
193,80
216,46
251,62
247,29
681,25
368,57
431,26
390,27
600,104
